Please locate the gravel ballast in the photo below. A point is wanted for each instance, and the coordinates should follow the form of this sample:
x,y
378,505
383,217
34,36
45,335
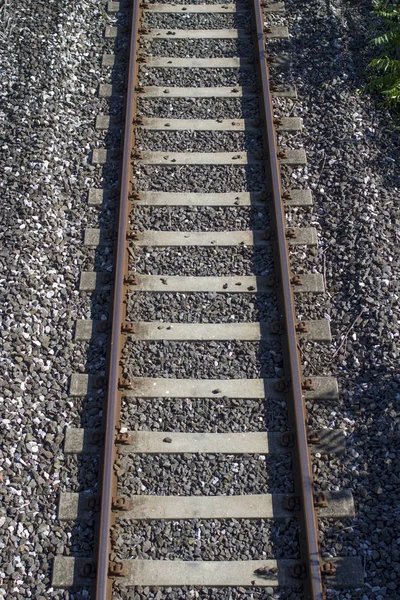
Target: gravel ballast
x,y
207,539
199,48
202,307
224,593
352,151
194,178
203,261
196,77
50,56
203,360
203,414
199,108
205,474
240,20
198,218
199,141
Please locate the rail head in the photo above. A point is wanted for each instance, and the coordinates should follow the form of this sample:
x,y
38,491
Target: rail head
x,y
112,403
308,522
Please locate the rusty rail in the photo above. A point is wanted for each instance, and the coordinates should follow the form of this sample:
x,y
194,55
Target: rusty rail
x,y
113,398
308,523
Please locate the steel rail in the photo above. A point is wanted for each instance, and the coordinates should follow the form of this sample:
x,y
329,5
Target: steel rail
x,y
308,522
113,398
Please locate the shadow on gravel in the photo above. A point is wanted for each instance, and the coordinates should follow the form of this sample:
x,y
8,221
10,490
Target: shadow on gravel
x,y
86,465
353,149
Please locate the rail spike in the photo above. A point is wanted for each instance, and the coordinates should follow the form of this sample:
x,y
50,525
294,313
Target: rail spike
x,y
117,569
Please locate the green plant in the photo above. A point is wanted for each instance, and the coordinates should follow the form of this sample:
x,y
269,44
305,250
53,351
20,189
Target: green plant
x,y
385,68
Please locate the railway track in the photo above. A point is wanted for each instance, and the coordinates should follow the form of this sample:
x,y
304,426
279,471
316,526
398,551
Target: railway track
x,y
247,242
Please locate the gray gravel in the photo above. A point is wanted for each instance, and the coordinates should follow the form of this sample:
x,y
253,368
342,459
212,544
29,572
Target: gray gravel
x,y
206,540
307,311
83,470
204,474
86,412
112,137
49,53
120,592
197,21
199,141
288,139
195,77
352,150
202,307
203,414
94,305
50,58
202,360
202,261
208,178
295,178
306,259
243,3
198,218
198,48
99,259
199,108
299,216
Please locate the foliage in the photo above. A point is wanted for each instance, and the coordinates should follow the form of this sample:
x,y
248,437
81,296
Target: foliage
x,y
385,77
